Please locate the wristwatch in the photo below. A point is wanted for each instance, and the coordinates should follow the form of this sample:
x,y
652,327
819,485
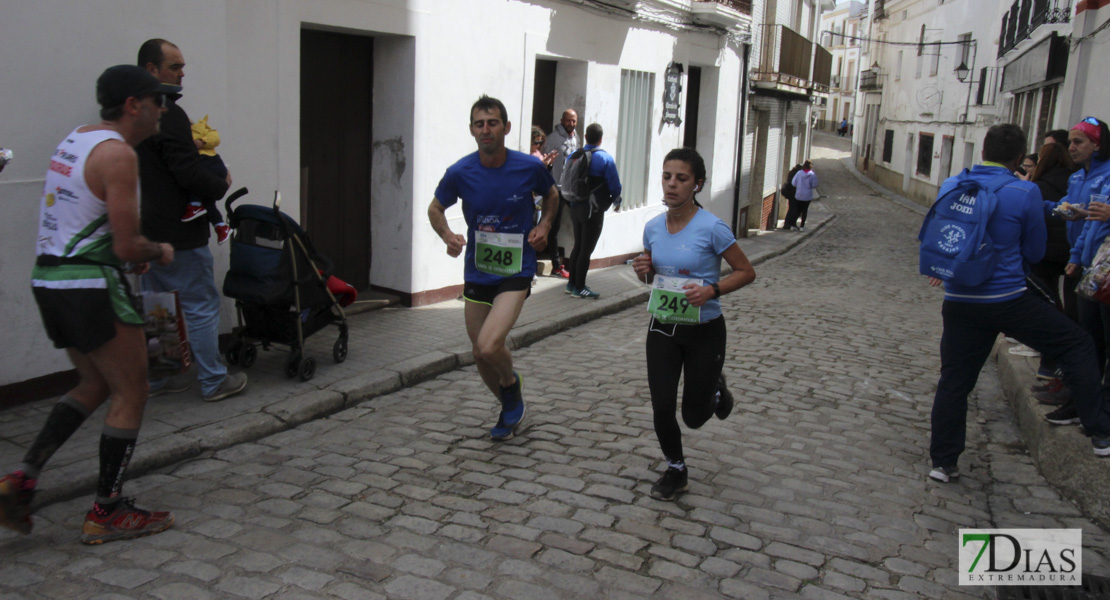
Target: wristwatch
x,y
716,290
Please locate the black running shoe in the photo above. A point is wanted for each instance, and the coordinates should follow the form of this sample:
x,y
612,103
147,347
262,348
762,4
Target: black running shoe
x,y
1065,415
724,399
670,484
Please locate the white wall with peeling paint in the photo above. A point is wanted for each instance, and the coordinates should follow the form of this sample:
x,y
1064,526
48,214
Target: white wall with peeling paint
x,y
433,58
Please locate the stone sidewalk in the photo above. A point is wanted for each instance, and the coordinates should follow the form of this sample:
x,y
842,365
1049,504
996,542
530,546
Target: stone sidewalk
x,y
389,349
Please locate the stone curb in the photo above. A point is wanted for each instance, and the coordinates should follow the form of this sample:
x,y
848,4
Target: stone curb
x,y
1062,453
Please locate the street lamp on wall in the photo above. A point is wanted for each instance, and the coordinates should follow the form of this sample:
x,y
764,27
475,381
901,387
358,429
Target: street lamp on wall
x,y
962,72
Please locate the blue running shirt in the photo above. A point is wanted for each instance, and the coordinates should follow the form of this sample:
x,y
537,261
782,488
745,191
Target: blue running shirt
x,y
496,200
694,253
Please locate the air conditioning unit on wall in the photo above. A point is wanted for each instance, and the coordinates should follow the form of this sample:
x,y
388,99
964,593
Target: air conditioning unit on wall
x,y
836,80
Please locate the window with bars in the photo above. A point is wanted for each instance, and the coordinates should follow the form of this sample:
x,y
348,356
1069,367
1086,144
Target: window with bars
x,y
634,137
925,154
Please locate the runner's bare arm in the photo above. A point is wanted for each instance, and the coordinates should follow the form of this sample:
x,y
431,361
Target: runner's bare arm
x,y
742,274
437,215
112,174
550,205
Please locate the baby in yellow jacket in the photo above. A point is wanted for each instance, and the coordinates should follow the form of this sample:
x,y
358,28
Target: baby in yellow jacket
x,y
206,139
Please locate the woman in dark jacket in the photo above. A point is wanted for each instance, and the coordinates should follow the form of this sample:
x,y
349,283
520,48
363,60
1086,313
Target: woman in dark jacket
x,y
1051,174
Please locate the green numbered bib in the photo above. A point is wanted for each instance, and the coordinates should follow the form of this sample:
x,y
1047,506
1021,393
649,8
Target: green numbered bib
x,y
668,302
499,253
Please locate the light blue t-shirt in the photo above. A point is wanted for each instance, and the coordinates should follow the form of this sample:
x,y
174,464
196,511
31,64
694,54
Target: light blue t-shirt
x,y
497,199
695,252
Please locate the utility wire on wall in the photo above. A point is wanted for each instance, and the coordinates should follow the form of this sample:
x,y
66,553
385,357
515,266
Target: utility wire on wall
x,y
1076,41
875,41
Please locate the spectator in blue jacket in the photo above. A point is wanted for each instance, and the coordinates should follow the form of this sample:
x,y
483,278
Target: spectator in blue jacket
x,y
974,315
589,217
1089,147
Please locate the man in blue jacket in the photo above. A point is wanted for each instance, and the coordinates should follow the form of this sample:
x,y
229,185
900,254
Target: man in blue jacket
x,y
975,315
589,217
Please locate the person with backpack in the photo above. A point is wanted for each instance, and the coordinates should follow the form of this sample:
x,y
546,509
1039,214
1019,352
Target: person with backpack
x,y
985,294
790,221
590,187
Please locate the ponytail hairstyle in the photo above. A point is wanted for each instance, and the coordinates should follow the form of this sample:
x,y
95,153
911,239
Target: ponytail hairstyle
x,y
696,162
1104,146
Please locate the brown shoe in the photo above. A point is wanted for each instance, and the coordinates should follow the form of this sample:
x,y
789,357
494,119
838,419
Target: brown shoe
x,y
1054,398
1051,385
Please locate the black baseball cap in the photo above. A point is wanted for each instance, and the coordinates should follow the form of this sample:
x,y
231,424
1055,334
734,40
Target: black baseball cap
x,y
117,84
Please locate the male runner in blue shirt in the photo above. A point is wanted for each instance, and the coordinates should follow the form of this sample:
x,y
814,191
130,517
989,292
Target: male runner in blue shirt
x,y
496,186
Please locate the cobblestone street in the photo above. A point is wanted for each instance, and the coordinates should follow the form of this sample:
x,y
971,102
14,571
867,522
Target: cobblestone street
x,y
814,488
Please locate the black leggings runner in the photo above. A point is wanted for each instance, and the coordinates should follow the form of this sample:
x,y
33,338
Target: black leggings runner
x,y
697,350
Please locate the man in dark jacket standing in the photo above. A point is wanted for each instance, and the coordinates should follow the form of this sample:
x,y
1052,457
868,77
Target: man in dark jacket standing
x,y
589,217
170,172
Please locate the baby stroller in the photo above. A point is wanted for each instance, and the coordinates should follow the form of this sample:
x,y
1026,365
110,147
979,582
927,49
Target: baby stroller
x,y
280,286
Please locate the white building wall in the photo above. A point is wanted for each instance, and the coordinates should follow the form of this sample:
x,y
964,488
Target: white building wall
x,y
939,105
1086,86
244,71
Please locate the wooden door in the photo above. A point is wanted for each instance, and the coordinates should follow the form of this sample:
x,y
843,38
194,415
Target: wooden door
x,y
336,111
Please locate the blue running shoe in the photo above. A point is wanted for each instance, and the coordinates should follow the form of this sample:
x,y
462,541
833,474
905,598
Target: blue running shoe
x,y
1048,374
512,411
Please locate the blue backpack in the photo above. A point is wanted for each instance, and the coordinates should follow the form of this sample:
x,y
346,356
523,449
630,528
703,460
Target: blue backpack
x,y
955,245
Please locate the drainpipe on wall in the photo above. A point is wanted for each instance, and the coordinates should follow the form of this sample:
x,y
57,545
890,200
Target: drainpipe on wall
x,y
778,166
742,134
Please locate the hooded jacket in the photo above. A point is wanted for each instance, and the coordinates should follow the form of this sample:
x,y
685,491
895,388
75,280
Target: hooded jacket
x,y
1081,185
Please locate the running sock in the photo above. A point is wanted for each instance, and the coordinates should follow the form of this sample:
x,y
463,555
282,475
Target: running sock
x,y
508,392
116,446
680,465
65,418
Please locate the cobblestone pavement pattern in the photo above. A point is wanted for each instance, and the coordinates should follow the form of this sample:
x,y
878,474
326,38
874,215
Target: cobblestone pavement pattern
x,y
814,488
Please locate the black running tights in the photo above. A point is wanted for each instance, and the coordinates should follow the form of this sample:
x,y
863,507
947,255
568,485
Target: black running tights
x,y
699,352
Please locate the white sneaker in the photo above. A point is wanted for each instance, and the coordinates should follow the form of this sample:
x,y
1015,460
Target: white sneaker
x,y
231,385
944,474
1023,350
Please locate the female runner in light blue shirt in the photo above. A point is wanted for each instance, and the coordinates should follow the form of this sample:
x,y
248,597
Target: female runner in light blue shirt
x,y
682,256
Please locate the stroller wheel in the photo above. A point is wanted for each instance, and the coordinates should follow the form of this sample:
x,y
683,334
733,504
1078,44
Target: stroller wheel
x,y
293,364
339,350
232,353
247,355
308,368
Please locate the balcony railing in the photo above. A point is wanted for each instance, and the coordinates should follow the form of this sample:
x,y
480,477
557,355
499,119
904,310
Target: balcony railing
x,y
870,81
1025,16
822,69
742,6
784,57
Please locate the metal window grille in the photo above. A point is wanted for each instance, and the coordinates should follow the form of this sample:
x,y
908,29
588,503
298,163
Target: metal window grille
x,y
925,155
634,138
